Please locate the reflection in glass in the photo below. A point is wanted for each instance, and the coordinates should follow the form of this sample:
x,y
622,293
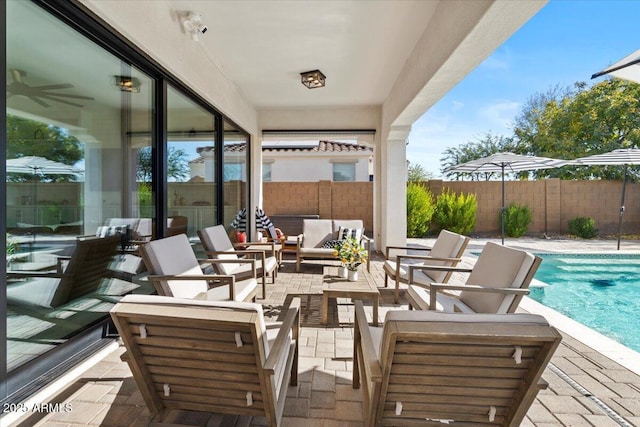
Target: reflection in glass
x,y
75,196
190,163
235,173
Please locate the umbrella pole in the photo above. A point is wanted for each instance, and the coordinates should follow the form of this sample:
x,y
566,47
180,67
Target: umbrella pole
x,y
624,185
502,208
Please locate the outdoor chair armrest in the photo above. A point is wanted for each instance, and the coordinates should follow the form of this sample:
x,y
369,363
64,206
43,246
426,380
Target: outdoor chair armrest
x,y
24,274
207,277
291,323
270,244
405,248
299,238
237,252
452,268
435,287
368,353
429,258
234,261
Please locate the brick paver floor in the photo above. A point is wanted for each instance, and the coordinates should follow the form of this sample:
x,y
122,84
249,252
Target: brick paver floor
x,y
106,394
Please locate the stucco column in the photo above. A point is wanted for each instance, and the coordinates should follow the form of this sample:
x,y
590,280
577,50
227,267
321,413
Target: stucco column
x,y
393,209
255,182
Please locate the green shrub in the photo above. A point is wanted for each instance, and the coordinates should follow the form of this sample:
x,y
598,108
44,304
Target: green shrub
x,y
583,227
516,220
12,245
456,212
419,210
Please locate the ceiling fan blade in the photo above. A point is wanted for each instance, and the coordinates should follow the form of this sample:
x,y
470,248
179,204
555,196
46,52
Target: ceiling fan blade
x,y
52,87
39,101
65,95
53,98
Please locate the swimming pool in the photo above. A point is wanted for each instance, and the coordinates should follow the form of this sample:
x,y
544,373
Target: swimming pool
x,y
601,291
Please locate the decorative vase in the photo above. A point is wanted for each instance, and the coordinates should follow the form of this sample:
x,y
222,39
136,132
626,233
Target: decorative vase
x,y
342,272
352,275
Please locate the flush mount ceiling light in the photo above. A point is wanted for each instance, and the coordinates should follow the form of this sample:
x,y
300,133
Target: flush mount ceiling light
x,y
313,79
127,83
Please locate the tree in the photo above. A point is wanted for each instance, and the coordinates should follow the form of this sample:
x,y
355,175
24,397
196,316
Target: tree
x,y
581,122
26,137
483,147
177,166
417,173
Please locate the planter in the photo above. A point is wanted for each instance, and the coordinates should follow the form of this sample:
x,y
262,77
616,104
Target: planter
x,y
342,272
352,275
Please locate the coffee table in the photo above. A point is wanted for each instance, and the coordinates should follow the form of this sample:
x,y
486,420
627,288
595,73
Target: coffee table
x,y
334,286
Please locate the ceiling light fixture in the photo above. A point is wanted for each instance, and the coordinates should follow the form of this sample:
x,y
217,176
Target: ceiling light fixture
x,y
193,25
127,83
313,79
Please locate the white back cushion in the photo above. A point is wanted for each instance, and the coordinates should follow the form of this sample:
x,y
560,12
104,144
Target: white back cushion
x,y
497,267
216,239
315,232
447,245
174,256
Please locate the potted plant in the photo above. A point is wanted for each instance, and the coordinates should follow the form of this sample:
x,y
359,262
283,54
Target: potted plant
x,y
351,254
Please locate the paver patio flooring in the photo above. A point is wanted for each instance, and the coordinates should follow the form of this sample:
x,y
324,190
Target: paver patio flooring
x,y
106,394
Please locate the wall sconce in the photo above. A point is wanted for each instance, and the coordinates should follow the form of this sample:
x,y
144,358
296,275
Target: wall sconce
x,y
127,84
313,79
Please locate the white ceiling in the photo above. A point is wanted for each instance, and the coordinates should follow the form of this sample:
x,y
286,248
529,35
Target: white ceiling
x,y
263,46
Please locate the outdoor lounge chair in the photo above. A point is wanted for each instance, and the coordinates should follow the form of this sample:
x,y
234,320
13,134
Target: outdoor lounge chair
x,y
429,368
75,276
496,283
217,245
446,251
175,271
209,356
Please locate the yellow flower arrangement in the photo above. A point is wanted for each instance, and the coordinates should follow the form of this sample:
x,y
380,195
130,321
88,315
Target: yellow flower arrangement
x,y
350,253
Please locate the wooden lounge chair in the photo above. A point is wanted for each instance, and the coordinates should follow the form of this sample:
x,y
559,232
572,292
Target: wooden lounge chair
x,y
209,356
446,251
76,276
217,245
430,368
175,271
496,284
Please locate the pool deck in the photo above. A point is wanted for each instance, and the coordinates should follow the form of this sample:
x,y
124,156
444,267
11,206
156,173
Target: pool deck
x,y
586,387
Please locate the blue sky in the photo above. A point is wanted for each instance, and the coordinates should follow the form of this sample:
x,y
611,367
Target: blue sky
x,y
566,42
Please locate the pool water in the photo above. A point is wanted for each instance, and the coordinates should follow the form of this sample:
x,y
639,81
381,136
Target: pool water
x,y
599,291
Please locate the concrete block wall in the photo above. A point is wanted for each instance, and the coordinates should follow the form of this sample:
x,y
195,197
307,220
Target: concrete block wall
x,y
553,202
339,200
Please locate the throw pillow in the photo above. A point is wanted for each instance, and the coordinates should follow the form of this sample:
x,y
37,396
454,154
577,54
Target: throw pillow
x,y
104,231
331,244
356,233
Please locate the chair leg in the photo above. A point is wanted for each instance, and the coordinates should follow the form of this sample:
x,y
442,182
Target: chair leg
x,y
396,292
386,280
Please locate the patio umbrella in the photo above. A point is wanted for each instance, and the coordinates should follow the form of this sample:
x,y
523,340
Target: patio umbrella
x,y
621,157
35,165
628,68
40,165
512,163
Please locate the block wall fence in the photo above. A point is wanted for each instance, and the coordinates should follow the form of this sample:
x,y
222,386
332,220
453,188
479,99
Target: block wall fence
x,y
553,202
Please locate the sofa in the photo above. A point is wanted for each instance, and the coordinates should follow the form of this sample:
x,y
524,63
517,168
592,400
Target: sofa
x,y
319,236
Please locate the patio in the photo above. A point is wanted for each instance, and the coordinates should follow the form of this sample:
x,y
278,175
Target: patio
x,y
107,395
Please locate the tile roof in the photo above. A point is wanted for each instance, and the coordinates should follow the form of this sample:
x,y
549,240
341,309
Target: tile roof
x,y
323,146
